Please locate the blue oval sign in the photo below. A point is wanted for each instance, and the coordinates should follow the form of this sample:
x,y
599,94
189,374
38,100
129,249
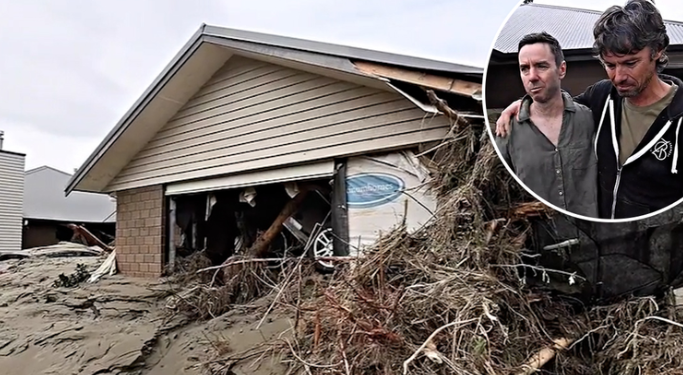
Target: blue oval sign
x,y
366,190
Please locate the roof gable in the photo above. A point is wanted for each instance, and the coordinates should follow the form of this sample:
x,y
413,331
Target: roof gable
x,y
329,49
206,52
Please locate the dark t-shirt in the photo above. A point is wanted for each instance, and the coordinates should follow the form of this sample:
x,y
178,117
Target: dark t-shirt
x,y
636,121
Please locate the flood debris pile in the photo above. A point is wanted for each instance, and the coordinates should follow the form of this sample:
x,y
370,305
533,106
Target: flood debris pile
x,y
450,298
447,292
208,295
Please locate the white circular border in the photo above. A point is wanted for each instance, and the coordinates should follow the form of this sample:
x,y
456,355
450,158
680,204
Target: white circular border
x,y
514,175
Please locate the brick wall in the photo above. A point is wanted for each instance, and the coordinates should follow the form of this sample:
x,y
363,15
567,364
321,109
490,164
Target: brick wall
x,y
140,231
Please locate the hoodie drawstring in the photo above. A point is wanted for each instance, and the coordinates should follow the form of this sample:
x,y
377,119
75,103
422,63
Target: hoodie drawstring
x,y
674,165
602,119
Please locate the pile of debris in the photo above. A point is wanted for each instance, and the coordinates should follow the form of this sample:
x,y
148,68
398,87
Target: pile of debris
x,y
451,298
448,298
83,243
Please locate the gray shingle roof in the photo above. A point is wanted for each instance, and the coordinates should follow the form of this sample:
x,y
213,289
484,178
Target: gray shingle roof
x,y
44,199
572,27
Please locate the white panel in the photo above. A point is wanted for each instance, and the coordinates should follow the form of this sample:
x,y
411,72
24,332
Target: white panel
x,y
11,200
382,191
294,173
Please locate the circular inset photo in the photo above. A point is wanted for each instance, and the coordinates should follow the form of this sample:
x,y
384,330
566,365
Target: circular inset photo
x,y
585,106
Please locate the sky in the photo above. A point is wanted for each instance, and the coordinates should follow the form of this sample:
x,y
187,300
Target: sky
x,y
71,69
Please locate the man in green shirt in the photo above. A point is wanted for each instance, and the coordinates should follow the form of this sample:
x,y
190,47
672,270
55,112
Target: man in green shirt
x,y
549,147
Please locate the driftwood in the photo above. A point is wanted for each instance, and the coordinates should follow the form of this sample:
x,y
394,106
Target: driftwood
x,y
442,106
530,209
260,247
545,355
87,238
235,260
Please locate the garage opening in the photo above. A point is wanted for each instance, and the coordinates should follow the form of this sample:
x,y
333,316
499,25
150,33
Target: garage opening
x,y
332,208
276,214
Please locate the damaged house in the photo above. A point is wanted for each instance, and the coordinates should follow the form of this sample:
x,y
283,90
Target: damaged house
x,y
48,214
249,140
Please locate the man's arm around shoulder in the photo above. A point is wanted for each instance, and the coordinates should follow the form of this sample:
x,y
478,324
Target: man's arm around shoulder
x,y
503,145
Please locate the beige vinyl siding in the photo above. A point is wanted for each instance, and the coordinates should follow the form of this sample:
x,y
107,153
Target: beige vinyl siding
x,y
11,200
253,115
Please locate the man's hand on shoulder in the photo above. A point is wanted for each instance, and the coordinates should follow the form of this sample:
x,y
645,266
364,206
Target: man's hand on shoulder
x,y
503,124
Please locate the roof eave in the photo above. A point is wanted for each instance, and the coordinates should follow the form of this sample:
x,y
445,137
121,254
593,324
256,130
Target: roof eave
x,y
341,51
149,93
210,34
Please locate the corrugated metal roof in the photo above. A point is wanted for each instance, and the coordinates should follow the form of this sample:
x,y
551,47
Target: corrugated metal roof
x,y
44,199
572,27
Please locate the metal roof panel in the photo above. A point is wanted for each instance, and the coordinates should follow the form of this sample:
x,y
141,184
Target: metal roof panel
x,y
572,27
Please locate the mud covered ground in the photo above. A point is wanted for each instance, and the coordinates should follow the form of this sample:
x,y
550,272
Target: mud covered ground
x,y
118,325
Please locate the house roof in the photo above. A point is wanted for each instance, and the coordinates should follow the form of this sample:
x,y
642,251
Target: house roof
x,y
572,27
44,199
12,153
340,50
206,52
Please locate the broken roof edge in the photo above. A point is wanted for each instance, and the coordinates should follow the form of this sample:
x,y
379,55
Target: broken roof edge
x,y
207,32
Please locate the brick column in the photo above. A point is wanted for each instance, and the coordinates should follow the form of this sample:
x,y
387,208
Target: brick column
x,y
140,231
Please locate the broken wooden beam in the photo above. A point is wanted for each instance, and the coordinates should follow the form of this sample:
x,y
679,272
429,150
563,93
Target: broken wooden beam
x,y
446,84
88,238
260,247
530,209
442,106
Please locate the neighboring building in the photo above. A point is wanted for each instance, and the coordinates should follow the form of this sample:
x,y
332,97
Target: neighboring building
x,y
11,198
236,109
573,28
47,210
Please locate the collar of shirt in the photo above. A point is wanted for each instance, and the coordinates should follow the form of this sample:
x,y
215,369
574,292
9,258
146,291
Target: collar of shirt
x,y
525,109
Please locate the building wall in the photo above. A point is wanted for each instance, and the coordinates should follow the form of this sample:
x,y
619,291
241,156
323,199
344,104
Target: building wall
x,y
140,231
504,85
38,234
11,200
252,115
